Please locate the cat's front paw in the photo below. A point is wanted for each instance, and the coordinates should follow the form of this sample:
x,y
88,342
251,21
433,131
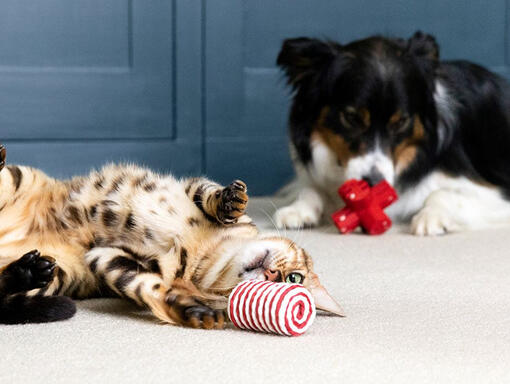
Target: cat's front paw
x,y
432,221
232,204
192,312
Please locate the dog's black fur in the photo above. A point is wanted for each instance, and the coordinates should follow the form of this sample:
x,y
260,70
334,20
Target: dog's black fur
x,y
466,134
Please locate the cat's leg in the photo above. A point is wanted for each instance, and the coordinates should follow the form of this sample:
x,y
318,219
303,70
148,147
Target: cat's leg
x,y
219,204
125,275
24,288
142,282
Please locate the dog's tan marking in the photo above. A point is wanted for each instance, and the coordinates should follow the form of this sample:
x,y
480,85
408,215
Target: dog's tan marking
x,y
322,133
395,117
405,153
365,116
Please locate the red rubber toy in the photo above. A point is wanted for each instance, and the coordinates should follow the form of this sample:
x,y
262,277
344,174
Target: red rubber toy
x,y
364,206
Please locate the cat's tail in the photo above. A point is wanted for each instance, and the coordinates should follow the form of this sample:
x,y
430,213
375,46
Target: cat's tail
x,y
21,309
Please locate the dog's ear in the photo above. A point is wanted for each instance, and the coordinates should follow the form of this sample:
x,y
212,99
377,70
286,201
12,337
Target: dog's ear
x,y
302,57
424,46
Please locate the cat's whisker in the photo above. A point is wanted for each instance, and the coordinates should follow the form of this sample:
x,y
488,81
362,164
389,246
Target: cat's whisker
x,y
284,228
221,288
271,220
298,234
302,237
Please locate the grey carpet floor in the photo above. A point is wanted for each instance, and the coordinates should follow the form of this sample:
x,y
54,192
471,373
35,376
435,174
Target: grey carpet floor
x,y
420,310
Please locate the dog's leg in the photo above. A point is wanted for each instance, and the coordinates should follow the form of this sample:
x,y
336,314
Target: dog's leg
x,y
468,207
305,211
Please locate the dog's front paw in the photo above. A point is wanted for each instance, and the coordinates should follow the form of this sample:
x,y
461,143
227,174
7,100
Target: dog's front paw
x,y
296,216
432,221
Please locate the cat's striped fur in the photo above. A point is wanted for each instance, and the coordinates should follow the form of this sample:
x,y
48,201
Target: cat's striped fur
x,y
175,246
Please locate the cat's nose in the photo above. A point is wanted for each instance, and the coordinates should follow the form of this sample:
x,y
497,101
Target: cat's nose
x,y
272,275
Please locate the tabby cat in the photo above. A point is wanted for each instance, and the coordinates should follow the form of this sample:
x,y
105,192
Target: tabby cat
x,y
177,247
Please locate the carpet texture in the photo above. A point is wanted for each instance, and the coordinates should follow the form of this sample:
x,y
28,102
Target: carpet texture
x,y
420,310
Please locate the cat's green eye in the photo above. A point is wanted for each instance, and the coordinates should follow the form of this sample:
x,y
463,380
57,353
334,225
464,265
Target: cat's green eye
x,y
294,278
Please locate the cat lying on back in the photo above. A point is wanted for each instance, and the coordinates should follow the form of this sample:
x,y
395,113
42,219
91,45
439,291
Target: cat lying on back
x,y
176,246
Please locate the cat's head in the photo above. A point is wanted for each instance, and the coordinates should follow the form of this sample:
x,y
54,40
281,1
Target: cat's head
x,y
280,260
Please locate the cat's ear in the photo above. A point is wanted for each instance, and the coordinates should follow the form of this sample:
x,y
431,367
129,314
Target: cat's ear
x,y
322,298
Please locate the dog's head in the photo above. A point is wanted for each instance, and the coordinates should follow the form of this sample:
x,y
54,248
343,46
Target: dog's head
x,y
371,102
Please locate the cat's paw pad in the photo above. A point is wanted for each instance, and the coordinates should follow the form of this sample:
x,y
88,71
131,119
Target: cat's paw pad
x,y
296,216
192,312
31,271
233,202
432,222
3,154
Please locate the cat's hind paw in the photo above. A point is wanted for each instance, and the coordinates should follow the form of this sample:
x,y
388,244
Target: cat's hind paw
x,y
31,271
192,312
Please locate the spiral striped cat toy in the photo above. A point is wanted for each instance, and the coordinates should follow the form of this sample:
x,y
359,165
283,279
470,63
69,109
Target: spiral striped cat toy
x,y
264,306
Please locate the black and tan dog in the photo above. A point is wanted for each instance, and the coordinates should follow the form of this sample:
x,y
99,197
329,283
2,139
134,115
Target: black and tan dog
x,y
382,108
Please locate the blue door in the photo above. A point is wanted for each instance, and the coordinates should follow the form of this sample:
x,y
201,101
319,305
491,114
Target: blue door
x,y
190,86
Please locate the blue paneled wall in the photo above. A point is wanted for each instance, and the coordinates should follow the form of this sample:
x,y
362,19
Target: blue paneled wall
x,y
190,86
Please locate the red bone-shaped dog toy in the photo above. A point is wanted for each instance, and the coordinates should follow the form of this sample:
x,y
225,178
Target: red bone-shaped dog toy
x,y
364,206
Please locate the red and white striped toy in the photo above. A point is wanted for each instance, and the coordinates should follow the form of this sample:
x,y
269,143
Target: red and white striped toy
x,y
264,306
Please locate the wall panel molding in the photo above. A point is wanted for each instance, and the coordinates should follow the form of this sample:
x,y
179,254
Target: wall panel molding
x,y
67,118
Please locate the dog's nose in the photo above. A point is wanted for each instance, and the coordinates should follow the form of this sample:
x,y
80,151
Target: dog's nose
x,y
373,177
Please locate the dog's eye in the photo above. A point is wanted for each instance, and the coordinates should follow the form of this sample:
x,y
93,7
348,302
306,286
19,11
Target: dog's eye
x,y
351,118
400,125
